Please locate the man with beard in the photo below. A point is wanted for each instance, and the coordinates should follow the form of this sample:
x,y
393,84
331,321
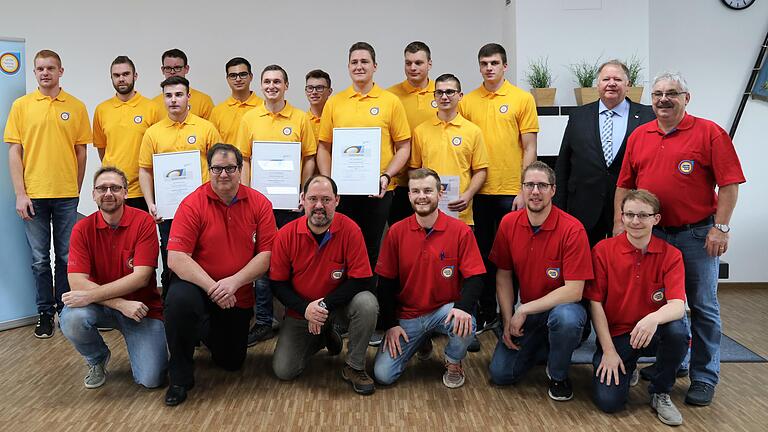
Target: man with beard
x,y
429,280
226,115
548,251
112,260
119,124
320,272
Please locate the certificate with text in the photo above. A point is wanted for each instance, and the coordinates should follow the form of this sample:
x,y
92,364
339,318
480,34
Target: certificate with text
x,y
356,159
276,172
176,175
450,187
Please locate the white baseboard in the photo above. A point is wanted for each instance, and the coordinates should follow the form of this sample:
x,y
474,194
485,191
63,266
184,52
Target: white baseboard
x,y
19,322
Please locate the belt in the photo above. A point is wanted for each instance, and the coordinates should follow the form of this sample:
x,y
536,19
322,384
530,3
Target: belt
x,y
709,220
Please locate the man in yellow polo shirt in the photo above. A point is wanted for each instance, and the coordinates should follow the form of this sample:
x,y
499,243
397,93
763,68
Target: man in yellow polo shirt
x,y
507,116
226,116
416,94
46,132
318,89
365,104
119,124
179,131
451,145
175,64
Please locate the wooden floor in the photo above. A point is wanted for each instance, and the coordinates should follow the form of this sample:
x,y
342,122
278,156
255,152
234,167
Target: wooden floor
x,y
41,389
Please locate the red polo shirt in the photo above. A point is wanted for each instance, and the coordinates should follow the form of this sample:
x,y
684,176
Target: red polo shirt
x,y
543,261
430,267
317,270
630,284
107,254
681,168
224,238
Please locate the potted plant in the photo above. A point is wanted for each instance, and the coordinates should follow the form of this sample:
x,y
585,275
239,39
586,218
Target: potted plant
x,y
586,74
539,77
635,66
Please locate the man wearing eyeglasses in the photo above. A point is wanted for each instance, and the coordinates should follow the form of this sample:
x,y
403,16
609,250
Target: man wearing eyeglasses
x,y
179,131
318,90
119,124
175,64
681,158
226,116
320,272
112,260
548,252
220,243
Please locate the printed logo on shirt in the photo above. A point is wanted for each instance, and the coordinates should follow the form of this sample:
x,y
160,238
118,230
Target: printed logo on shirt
x,y
658,295
138,119
504,108
191,139
456,141
553,272
65,116
374,110
130,262
287,131
253,237
434,104
447,272
337,274
685,166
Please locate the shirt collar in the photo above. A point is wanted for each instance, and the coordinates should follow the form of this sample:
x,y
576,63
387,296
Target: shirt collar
x,y
286,112
125,221
621,110
549,224
130,102
190,120
456,121
440,224
374,93
61,97
411,89
302,228
685,123
253,100
241,194
656,245
502,91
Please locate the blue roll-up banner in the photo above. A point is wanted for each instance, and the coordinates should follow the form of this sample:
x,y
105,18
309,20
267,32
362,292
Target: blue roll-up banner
x,y
17,287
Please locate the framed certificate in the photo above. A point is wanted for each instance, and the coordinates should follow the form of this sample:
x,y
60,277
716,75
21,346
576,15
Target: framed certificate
x,y
450,187
276,172
356,160
176,175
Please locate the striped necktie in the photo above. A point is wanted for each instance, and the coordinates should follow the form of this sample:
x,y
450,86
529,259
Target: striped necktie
x,y
606,136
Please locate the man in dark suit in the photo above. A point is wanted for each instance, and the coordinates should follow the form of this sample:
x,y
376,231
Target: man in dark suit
x,y
593,148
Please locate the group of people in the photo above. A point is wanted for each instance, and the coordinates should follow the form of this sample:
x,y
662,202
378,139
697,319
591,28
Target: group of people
x,y
625,229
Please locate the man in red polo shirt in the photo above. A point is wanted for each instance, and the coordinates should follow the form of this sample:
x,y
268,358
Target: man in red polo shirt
x,y
220,243
637,300
681,158
429,280
112,260
548,251
320,272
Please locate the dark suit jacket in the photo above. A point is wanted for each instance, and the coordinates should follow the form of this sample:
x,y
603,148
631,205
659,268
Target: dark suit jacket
x,y
584,183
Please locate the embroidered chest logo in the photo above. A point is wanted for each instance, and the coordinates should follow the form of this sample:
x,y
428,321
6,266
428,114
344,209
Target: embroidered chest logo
x,y
685,166
191,139
658,295
337,274
130,263
456,141
253,237
553,272
138,119
447,272
287,131
434,104
374,110
504,108
65,116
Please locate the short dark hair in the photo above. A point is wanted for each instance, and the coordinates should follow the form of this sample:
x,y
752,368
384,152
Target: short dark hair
x,y
417,46
123,60
422,173
275,67
364,46
642,196
318,74
175,80
319,177
110,169
174,53
224,148
540,166
492,49
46,53
237,61
449,77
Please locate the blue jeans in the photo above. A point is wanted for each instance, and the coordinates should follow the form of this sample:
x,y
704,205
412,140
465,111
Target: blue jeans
x,y
555,333
387,370
701,272
145,340
62,214
669,345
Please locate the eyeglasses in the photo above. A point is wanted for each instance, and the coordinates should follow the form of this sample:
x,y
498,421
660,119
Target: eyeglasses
x,y
669,95
176,69
242,75
543,187
448,92
315,89
313,200
230,169
642,216
103,189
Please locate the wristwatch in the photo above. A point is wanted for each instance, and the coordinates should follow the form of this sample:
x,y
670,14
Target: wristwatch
x,y
722,227
321,303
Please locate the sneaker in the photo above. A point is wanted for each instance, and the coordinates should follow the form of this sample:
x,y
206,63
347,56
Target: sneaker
x,y
666,410
333,340
105,329
97,374
44,327
361,382
648,372
700,393
488,325
474,346
635,378
425,350
260,333
376,338
454,375
559,390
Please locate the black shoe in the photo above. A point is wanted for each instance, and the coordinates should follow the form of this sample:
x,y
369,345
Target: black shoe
x,y
488,323
44,327
175,395
559,390
649,372
474,346
700,394
260,333
105,329
333,340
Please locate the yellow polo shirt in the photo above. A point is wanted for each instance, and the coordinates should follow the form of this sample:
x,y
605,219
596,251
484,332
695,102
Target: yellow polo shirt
x,y
315,122
226,116
420,106
502,116
48,131
455,148
118,128
200,104
379,108
167,136
289,124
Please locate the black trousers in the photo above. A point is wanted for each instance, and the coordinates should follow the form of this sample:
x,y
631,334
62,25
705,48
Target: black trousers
x,y
603,228
401,206
138,203
370,214
191,317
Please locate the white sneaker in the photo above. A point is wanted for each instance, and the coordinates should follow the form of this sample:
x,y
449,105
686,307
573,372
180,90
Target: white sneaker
x,y
665,409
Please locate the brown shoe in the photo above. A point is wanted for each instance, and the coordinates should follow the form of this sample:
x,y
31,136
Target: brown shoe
x,y
361,382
